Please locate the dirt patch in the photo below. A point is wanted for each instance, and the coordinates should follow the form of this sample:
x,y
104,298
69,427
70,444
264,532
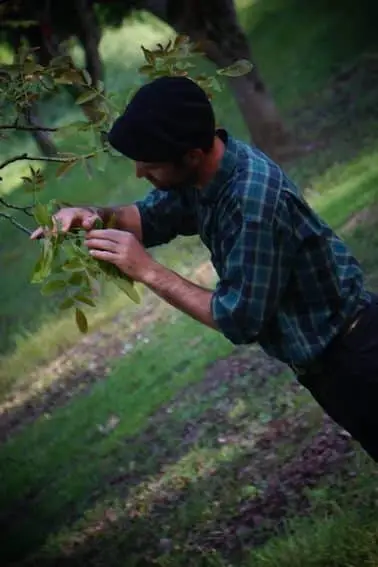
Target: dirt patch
x,y
76,370
367,216
285,494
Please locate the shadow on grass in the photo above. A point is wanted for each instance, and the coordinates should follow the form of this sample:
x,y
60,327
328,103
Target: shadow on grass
x,y
219,514
60,492
216,472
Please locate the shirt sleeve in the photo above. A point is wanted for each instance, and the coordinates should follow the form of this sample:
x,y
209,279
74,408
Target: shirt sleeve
x,y
165,215
256,257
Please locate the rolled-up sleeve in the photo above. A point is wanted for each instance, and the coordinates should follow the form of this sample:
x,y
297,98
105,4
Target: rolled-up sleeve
x,y
256,257
165,215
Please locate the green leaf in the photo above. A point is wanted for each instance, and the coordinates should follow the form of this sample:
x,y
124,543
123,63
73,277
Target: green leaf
x,y
146,69
98,224
67,303
70,77
86,96
37,273
148,55
77,278
61,61
101,118
237,69
42,216
42,268
94,285
102,159
74,265
74,127
127,285
81,320
183,65
110,270
64,167
85,299
32,67
112,222
87,168
87,77
215,84
53,286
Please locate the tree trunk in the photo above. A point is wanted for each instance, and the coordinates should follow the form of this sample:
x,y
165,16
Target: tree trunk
x,y
214,23
35,39
89,33
43,140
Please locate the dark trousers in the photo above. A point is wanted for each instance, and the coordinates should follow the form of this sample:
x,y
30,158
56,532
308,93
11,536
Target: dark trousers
x,y
347,387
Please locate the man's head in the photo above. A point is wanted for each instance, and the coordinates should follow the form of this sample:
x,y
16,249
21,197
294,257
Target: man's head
x,y
168,129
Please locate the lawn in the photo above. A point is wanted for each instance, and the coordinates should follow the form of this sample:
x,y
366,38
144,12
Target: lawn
x,y
153,441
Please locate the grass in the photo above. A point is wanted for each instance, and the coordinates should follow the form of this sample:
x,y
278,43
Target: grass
x,y
139,384
161,461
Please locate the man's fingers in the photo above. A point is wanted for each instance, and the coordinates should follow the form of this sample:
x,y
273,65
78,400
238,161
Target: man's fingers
x,y
101,244
59,224
89,222
106,234
103,255
36,234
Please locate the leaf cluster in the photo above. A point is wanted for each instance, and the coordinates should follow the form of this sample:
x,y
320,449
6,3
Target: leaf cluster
x,y
177,58
66,270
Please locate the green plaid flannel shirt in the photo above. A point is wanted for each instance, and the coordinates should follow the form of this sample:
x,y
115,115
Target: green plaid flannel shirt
x,y
286,280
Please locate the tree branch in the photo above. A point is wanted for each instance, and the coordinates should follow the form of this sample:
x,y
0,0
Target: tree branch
x,y
27,128
25,210
45,158
15,223
12,159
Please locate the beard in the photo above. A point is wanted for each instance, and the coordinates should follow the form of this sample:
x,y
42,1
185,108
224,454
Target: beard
x,y
183,179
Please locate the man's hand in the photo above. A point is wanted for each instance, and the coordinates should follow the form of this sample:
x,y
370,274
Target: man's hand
x,y
70,217
122,249
125,251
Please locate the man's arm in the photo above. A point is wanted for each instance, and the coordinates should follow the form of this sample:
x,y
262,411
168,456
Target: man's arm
x,y
123,249
179,292
156,219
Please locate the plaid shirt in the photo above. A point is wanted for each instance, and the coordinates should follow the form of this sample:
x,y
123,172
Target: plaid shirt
x,y
286,280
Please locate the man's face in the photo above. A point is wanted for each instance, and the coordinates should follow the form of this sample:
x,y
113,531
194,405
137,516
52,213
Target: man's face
x,y
172,176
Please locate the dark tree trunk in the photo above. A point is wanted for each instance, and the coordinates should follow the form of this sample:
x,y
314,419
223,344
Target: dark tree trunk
x,y
89,33
214,23
31,114
48,37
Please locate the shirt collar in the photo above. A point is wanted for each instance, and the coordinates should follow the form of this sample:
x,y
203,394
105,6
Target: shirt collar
x,y
211,192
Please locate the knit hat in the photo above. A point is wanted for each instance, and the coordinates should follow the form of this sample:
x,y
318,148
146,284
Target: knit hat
x,y
165,118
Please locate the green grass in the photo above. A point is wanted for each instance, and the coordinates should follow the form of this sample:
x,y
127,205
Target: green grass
x,y
151,465
71,458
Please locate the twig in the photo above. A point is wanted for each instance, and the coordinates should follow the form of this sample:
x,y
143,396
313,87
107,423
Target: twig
x,y
25,210
15,223
47,158
27,128
12,159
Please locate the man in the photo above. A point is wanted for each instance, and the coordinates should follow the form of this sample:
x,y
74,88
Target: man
x,y
286,280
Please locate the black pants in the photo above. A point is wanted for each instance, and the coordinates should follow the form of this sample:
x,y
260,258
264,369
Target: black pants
x,y
347,387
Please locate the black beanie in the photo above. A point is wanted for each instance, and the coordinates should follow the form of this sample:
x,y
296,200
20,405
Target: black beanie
x,y
165,118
